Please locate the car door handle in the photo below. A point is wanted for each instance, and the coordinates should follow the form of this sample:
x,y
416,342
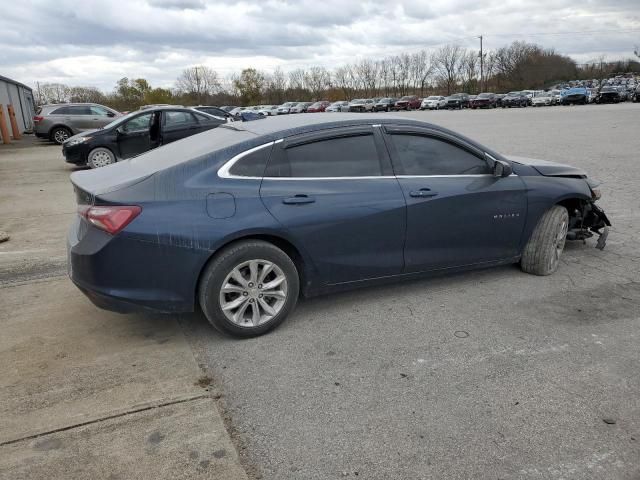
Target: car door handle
x,y
298,200
423,193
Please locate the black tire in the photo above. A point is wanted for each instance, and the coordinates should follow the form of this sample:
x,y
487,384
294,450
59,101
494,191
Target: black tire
x,y
222,264
60,134
541,255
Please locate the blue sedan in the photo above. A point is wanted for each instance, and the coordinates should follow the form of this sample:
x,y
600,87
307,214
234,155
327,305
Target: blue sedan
x,y
243,219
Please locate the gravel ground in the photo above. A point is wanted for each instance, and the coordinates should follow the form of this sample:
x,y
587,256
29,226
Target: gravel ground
x,y
491,374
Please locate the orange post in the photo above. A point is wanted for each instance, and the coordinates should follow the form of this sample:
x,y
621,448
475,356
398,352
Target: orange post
x,y
13,121
4,131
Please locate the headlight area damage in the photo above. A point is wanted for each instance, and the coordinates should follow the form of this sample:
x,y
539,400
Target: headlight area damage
x,y
587,219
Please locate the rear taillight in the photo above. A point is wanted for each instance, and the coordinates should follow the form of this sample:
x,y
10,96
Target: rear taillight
x,y
110,218
37,119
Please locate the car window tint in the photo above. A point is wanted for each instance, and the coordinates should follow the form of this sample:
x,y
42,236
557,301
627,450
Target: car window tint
x,y
178,119
354,156
95,110
203,118
141,122
213,111
79,110
252,165
420,155
60,111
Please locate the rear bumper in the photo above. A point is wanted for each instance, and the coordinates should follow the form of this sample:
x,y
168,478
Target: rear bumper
x,y
123,274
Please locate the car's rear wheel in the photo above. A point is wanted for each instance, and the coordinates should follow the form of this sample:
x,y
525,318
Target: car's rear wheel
x,y
541,255
249,288
60,135
100,157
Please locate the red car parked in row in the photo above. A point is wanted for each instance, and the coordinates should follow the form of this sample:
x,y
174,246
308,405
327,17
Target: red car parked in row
x,y
408,102
318,106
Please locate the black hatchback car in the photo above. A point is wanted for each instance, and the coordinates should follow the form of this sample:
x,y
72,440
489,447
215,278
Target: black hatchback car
x,y
136,133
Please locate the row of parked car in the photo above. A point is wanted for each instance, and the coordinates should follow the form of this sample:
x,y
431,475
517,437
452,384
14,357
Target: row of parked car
x,y
561,96
97,135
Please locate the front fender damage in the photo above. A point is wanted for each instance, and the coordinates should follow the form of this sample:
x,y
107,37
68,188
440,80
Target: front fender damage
x,y
586,220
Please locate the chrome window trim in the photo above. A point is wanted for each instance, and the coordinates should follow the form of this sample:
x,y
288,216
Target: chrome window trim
x,y
223,172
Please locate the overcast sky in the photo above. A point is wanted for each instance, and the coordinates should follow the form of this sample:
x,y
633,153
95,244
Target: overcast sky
x,y
96,42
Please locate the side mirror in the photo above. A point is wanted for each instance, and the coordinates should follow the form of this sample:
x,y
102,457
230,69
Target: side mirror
x,y
502,169
111,114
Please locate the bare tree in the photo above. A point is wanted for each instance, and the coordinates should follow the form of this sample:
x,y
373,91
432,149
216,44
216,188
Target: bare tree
x,y
276,86
53,93
366,72
402,69
469,71
420,71
297,84
199,82
345,80
446,62
86,95
317,80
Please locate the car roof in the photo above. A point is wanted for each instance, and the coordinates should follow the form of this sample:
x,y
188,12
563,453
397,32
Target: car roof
x,y
72,104
228,139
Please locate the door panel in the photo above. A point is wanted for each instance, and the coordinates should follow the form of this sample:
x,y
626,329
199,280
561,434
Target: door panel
x,y
334,194
458,213
133,136
352,228
463,220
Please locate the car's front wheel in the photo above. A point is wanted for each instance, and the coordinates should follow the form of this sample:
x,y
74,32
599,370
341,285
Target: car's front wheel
x,y
249,288
100,157
541,255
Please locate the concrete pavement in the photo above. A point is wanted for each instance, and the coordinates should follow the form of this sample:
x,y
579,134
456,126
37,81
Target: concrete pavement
x,y
86,393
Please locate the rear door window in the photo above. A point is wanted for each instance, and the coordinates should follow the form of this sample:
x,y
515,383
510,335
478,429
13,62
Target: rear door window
x,y
348,156
175,120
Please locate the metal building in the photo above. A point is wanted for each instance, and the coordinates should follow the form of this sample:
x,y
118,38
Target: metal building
x,y
21,97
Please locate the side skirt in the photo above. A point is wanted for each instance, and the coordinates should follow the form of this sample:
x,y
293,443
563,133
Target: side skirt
x,y
312,291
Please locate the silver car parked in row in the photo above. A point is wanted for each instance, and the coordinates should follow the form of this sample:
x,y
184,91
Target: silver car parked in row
x,y
58,122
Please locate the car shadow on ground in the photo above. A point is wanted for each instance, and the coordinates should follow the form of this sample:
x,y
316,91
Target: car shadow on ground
x,y
360,297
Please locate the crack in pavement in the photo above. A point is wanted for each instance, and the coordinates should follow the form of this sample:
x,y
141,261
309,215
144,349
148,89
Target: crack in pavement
x,y
102,419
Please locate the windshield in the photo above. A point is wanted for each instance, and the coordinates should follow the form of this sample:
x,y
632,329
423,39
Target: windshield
x,y
121,120
484,95
433,98
358,100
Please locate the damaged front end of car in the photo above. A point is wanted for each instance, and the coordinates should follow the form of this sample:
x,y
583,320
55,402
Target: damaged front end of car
x,y
586,219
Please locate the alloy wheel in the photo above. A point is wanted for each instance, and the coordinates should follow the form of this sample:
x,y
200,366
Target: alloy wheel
x,y
253,293
558,244
61,135
101,158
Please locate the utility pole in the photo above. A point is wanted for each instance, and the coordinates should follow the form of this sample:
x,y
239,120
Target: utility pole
x,y
481,67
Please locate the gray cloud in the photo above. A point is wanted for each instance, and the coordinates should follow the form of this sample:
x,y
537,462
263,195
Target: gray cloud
x,y
179,4
100,41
